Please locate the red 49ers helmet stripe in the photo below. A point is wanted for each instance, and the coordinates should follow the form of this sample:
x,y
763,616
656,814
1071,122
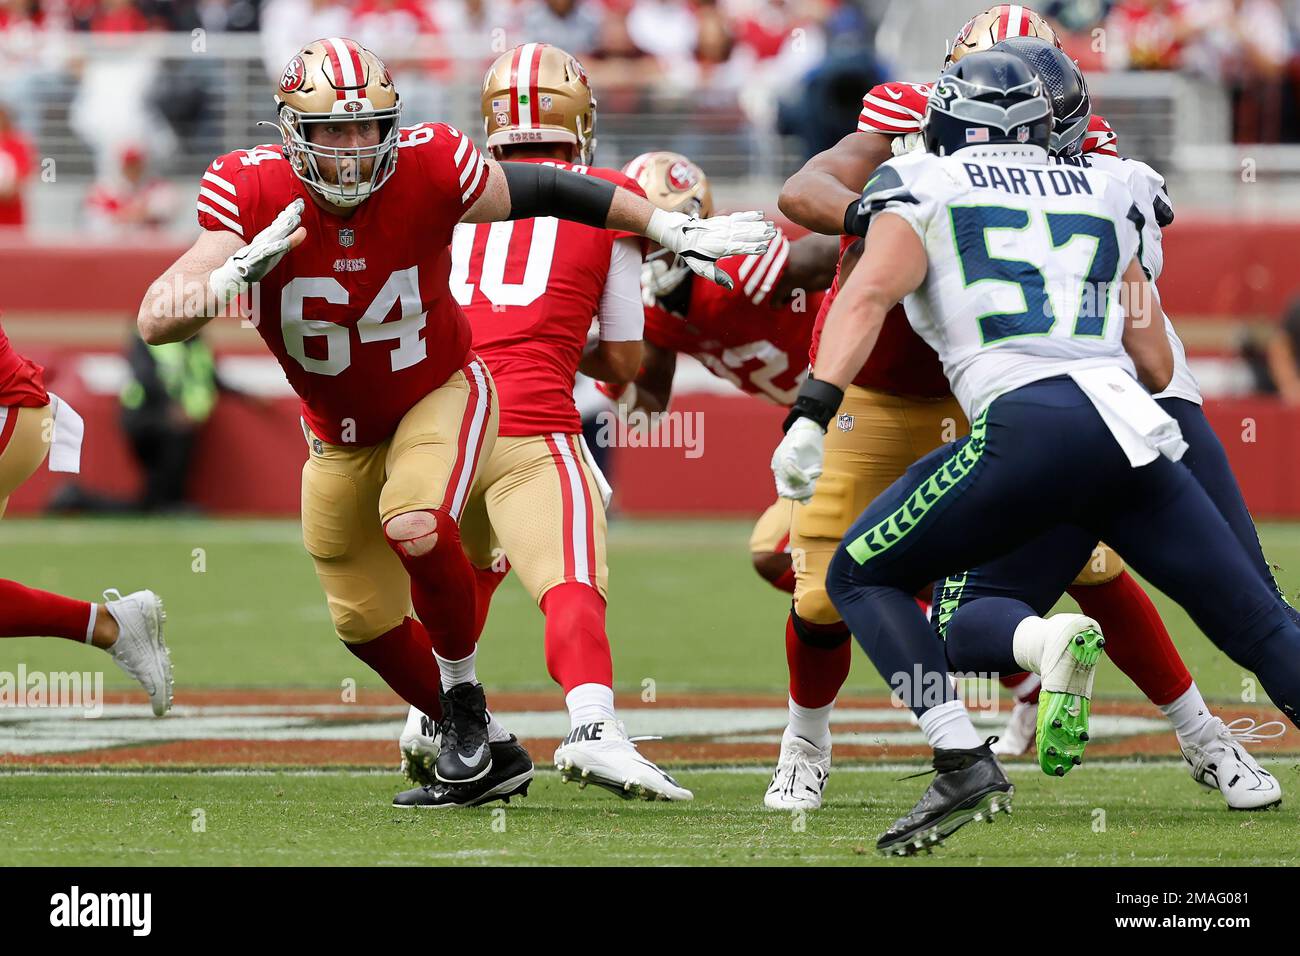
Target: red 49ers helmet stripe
x,y
525,65
345,68
1011,21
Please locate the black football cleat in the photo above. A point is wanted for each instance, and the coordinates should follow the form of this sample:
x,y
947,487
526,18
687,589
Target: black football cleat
x,y
510,776
968,785
465,756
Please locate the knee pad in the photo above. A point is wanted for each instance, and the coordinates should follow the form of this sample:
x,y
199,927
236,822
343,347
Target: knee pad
x,y
815,607
414,533
1103,566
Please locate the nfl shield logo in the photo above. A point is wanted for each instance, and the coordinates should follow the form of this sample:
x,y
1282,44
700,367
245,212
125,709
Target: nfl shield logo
x,y
1022,134
844,423
347,237
545,102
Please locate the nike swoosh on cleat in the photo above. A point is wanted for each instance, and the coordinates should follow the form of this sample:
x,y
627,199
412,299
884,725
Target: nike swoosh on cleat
x,y
472,758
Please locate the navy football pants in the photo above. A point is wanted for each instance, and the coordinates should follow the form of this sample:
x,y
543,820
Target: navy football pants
x,y
1040,460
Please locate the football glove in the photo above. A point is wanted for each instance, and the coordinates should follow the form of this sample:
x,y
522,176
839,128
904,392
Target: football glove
x,y
797,461
700,243
259,257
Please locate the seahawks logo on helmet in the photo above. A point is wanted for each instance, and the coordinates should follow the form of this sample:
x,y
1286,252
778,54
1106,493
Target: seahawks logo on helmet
x,y
987,98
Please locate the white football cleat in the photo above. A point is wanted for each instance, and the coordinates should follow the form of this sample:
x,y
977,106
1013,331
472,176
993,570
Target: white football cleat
x,y
140,649
420,745
603,754
1019,734
800,777
1219,761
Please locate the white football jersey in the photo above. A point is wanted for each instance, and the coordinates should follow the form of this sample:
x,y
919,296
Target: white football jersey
x,y
1148,189
1025,259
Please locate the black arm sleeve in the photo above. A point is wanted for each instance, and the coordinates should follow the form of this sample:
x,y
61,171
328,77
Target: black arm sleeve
x,y
540,190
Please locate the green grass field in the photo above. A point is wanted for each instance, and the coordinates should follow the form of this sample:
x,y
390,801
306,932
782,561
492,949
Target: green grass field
x,y
245,612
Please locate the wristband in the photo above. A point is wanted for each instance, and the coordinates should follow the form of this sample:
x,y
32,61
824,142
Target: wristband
x,y
818,401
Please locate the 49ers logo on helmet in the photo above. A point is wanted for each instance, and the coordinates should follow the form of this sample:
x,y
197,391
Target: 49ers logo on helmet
x,y
354,106
577,69
682,177
294,75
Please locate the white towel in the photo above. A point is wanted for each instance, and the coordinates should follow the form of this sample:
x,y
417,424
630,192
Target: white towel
x,y
65,443
606,492
1142,428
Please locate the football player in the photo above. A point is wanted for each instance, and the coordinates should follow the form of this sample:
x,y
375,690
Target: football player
x,y
35,424
529,289
1061,429
754,335
342,230
897,409
1213,749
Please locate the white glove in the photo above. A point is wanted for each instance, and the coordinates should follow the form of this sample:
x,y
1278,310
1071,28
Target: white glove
x,y
701,242
259,257
907,143
797,461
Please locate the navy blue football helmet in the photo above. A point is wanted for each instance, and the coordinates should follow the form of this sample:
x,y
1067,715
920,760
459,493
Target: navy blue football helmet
x,y
987,98
1071,105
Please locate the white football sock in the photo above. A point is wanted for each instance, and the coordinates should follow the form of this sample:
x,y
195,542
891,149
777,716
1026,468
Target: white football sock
x,y
457,672
1027,643
496,732
948,727
1188,713
589,703
813,724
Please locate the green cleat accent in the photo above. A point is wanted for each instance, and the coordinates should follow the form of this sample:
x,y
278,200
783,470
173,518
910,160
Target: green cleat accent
x,y
1063,717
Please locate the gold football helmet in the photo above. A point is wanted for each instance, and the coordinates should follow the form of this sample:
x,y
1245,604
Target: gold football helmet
x,y
331,81
997,23
674,184
537,93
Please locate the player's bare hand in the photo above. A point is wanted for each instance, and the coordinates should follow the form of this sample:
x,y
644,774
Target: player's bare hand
x,y
797,461
252,262
701,242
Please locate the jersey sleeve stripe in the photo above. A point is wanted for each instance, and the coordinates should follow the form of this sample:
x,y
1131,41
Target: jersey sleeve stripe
x,y
222,218
746,266
220,200
773,272
903,111
460,150
871,121
480,177
471,168
758,273
218,181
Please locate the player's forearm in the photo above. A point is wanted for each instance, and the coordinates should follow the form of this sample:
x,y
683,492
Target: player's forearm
x,y
817,200
614,362
175,307
850,334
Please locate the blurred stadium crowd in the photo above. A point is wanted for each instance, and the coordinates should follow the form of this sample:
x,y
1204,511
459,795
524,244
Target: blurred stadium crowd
x,y
75,81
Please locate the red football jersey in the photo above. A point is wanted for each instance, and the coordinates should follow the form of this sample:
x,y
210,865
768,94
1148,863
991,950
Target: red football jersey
x,y
1100,138
894,109
360,315
530,289
22,381
738,334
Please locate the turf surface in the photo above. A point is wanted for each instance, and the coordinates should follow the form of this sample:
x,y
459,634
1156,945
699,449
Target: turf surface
x,y
686,611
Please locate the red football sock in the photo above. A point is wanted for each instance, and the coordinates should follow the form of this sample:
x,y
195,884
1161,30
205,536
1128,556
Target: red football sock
x,y
1136,639
26,612
442,583
486,582
819,661
577,648
403,657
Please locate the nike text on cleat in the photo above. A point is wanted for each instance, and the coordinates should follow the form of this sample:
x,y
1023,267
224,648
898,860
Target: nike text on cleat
x,y
800,777
969,785
1219,761
140,649
420,746
1018,736
464,755
1070,655
601,753
510,776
